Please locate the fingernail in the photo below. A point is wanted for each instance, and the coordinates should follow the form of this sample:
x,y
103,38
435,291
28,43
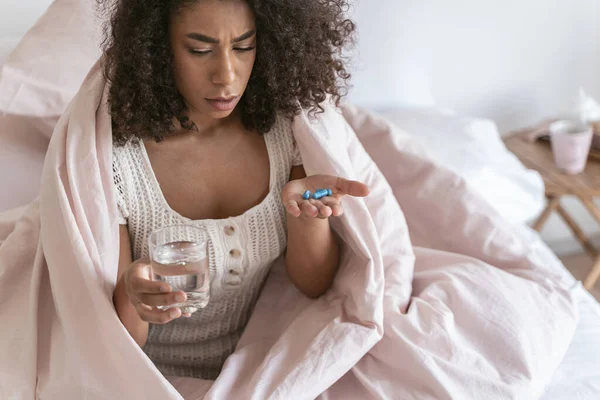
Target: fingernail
x,y
174,313
165,289
180,297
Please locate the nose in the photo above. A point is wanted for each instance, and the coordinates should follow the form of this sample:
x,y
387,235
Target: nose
x,y
224,73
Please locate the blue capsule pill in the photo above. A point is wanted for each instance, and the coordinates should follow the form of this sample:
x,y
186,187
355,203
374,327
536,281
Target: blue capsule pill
x,y
328,191
306,195
321,193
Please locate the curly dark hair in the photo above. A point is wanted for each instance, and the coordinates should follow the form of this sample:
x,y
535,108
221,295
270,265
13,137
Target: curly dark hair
x,y
300,62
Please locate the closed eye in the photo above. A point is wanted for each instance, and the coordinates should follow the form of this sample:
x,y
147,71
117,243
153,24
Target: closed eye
x,y
204,52
199,52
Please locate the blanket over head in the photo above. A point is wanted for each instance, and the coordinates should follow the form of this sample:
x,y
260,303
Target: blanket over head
x,y
480,311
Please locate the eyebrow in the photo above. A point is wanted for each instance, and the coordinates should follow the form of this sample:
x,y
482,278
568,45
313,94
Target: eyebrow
x,y
207,39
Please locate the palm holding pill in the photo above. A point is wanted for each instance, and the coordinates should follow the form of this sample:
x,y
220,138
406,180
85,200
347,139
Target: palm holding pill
x,y
309,197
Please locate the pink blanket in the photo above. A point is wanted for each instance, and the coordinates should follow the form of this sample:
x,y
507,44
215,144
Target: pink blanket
x,y
479,311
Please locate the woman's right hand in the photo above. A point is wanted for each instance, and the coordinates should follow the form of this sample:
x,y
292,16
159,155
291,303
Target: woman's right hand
x,y
146,294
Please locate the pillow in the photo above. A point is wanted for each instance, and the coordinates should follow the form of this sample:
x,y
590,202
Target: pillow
x,y
41,76
473,149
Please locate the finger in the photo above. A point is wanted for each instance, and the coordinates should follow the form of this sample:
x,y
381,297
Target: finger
x,y
143,285
334,204
292,203
324,210
351,188
141,268
309,209
156,316
293,208
168,299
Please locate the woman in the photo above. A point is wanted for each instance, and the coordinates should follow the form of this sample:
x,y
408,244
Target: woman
x,y
202,95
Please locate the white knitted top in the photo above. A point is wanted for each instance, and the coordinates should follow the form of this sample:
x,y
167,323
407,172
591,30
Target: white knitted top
x,y
241,250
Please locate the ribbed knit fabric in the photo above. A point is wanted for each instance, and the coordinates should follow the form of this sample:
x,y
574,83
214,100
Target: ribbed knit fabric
x,y
241,250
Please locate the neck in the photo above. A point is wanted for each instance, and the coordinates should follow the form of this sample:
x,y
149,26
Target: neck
x,y
207,126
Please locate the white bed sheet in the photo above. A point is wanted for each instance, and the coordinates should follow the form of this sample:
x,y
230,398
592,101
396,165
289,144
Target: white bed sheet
x,y
578,377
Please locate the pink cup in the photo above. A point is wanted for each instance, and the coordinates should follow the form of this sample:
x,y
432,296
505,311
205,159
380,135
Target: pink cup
x,y
571,141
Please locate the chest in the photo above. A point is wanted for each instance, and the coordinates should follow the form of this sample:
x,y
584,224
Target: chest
x,y
213,179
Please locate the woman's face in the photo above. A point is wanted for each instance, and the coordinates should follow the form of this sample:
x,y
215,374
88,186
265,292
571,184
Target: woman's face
x,y
214,47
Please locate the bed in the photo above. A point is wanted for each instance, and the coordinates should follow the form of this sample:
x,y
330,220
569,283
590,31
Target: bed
x,y
35,90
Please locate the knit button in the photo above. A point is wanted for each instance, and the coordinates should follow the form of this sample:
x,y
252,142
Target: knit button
x,y
234,280
229,230
235,253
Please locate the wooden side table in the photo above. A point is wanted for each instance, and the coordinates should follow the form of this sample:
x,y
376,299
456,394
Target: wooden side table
x,y
585,186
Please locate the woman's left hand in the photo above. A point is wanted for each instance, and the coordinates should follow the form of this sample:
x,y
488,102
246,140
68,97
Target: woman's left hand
x,y
325,207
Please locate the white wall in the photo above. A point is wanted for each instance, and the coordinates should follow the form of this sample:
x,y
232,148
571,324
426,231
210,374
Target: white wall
x,y
513,61
18,15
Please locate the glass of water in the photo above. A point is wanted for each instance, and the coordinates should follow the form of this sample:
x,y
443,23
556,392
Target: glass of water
x,y
179,257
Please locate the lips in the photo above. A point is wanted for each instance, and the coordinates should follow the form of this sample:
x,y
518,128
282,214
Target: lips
x,y
223,103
